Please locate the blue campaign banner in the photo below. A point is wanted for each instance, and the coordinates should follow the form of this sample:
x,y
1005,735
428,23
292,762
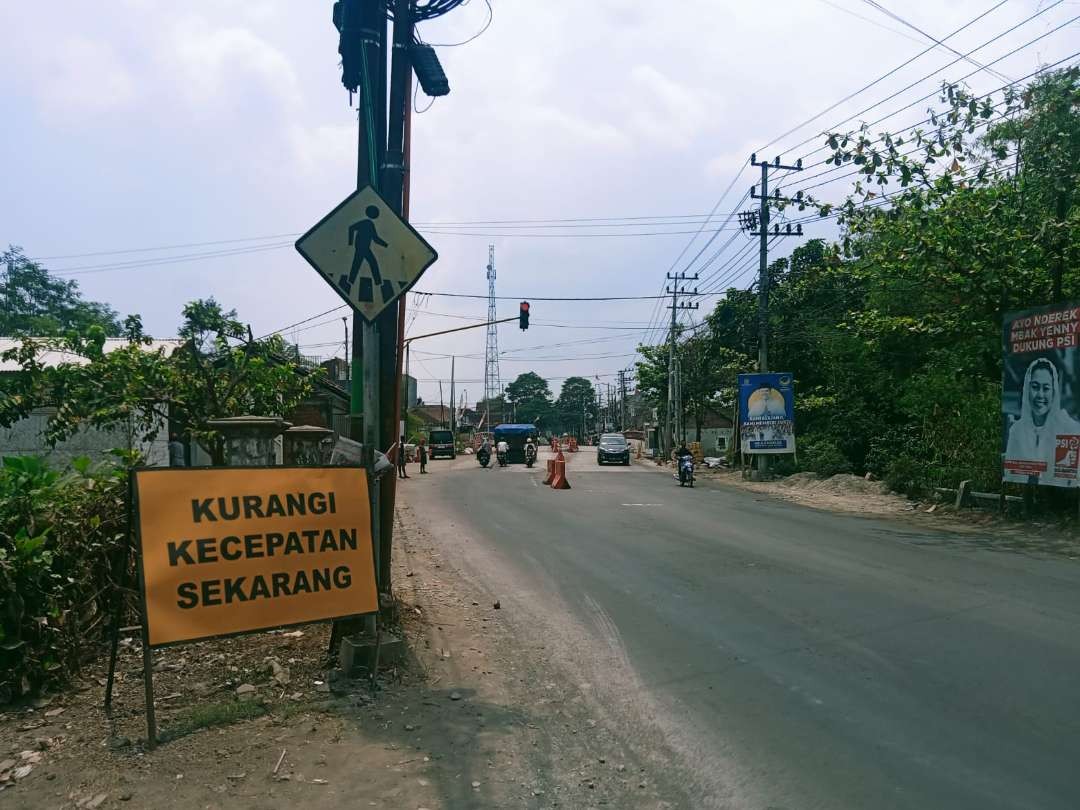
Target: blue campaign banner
x,y
767,412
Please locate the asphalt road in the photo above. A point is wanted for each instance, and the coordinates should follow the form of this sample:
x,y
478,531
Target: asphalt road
x,y
774,656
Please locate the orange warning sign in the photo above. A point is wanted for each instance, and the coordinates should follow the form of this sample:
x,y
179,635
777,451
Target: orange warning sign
x,y
233,550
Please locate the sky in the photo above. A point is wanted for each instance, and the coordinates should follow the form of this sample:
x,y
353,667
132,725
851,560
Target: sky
x,y
186,146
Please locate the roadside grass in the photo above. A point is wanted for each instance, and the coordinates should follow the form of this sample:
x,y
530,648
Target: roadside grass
x,y
211,715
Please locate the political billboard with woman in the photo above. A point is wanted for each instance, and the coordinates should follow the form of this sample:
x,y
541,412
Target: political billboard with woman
x,y
1040,397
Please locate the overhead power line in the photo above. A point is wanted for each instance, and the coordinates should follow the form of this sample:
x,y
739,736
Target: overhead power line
x,y
542,298
931,75
873,83
892,15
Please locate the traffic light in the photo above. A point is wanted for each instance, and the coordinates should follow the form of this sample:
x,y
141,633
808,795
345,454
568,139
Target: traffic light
x,y
346,16
523,315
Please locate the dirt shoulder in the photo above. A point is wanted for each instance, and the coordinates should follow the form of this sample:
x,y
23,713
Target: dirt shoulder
x,y
261,721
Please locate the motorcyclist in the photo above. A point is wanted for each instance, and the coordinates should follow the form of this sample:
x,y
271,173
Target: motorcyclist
x,y
530,448
502,449
680,454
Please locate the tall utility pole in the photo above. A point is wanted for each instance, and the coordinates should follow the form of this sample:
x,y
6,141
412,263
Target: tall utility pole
x,y
599,427
760,228
345,320
370,27
492,388
453,402
675,290
622,399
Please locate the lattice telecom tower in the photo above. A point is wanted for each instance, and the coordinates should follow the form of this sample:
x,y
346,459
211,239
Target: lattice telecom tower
x,y
492,387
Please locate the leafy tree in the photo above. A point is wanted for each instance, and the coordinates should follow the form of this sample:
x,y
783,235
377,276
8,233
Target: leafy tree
x,y
219,371
531,398
893,333
576,398
34,303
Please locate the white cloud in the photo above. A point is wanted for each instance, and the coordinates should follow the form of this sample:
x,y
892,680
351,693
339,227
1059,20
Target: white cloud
x,y
79,77
324,148
665,110
211,64
561,126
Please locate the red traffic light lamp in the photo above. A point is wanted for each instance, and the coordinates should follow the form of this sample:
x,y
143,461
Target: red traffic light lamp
x,y
523,315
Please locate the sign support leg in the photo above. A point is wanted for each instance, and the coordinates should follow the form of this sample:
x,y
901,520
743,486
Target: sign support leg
x,y
375,655
148,656
120,579
148,685
117,616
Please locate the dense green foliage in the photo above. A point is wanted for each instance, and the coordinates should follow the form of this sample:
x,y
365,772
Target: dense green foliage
x,y
575,409
893,333
219,371
32,302
530,399
59,534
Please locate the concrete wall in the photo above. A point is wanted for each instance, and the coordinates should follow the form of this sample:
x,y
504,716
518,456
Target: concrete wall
x,y
24,438
200,458
714,441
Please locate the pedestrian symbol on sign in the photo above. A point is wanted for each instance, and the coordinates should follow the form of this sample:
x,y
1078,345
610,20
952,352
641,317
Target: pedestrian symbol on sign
x,y
367,253
362,235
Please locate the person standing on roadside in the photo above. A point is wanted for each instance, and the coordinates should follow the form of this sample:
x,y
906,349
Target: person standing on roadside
x,y
401,459
423,457
176,452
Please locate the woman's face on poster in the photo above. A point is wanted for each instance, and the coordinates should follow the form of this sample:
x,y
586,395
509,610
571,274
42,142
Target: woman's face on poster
x,y
1041,392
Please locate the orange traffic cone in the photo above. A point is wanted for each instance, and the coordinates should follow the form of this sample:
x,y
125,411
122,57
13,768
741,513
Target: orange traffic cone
x,y
559,481
550,471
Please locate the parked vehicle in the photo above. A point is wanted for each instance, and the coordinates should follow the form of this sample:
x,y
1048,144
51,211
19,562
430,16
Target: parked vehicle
x,y
441,443
613,448
686,471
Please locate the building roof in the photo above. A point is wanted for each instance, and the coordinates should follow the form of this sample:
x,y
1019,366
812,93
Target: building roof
x,y
51,358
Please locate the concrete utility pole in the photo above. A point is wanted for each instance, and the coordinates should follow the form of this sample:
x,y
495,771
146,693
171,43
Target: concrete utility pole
x,y
622,399
392,187
452,393
762,231
345,320
599,426
492,386
673,404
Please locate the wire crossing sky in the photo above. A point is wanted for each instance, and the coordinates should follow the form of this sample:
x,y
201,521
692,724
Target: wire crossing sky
x,y
160,157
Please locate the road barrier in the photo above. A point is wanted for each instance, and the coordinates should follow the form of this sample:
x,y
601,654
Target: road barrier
x,y
550,471
559,481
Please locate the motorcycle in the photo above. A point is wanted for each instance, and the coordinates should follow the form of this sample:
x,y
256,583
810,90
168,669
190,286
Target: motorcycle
x,y
502,458
483,456
686,471
530,455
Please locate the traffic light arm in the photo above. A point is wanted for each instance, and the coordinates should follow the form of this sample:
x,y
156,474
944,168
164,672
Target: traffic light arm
x,y
458,329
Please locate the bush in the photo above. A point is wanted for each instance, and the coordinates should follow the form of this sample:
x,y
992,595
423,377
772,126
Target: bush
x,y
906,475
822,456
59,533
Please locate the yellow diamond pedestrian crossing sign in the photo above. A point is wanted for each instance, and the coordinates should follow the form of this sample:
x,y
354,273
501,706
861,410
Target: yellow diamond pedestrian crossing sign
x,y
366,252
